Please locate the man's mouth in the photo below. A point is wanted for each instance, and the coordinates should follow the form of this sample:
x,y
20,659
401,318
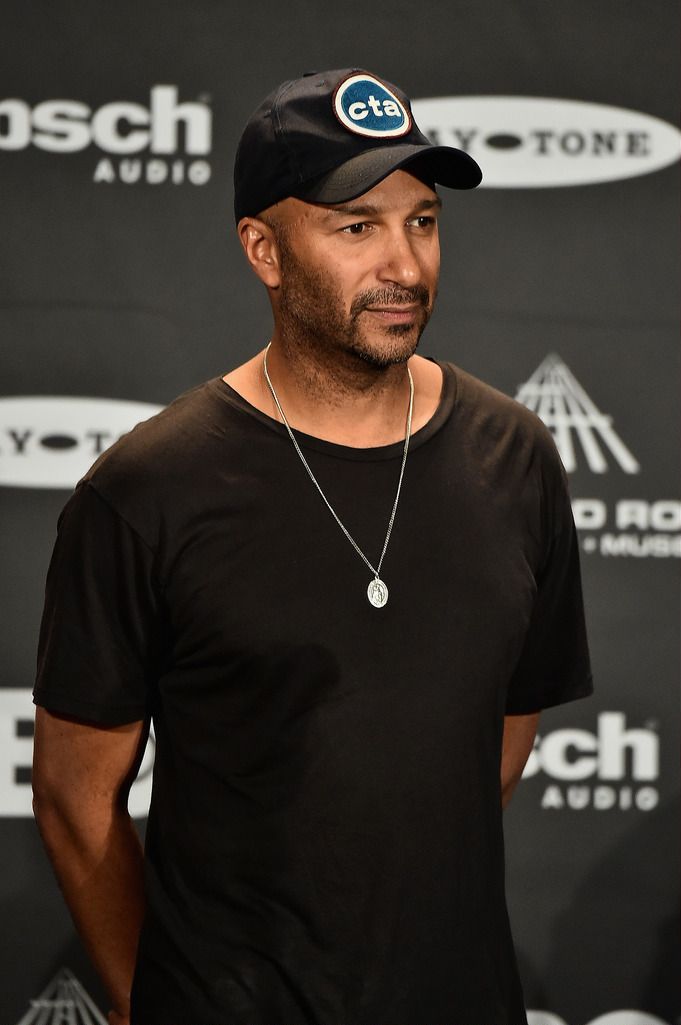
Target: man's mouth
x,y
393,306
401,314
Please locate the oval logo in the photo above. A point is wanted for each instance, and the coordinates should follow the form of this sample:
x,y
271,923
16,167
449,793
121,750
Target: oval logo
x,y
49,441
611,1018
530,142
367,107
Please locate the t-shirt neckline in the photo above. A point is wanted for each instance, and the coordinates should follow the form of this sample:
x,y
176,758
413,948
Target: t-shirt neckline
x,y
309,441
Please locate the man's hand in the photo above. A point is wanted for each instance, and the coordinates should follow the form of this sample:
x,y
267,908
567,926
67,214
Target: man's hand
x,y
81,777
519,734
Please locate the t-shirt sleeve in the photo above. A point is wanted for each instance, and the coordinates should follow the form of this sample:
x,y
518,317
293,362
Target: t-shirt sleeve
x,y
102,626
554,666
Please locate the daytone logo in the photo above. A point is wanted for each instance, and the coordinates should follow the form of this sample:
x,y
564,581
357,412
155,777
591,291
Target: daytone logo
x,y
163,128
50,441
63,1001
367,107
628,527
610,1018
16,757
611,768
532,142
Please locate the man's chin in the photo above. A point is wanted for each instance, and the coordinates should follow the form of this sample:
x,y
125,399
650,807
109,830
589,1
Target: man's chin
x,y
395,346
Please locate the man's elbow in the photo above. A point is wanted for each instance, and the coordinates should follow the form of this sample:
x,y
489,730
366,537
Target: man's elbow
x,y
519,734
54,813
509,786
70,818
507,790
47,798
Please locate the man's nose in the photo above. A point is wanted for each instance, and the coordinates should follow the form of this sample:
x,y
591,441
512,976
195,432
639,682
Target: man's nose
x,y
399,262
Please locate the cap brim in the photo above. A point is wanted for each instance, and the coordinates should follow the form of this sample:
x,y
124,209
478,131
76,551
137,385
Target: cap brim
x,y
443,165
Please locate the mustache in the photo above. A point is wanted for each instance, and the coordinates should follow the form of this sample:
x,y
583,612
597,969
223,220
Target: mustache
x,y
393,296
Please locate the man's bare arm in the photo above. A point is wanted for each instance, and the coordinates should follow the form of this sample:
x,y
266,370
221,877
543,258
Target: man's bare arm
x,y
81,777
519,734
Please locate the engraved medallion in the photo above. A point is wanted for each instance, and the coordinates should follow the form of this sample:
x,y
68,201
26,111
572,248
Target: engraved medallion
x,y
377,593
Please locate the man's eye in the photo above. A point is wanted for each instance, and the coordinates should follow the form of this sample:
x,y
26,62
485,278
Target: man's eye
x,y
355,229
423,222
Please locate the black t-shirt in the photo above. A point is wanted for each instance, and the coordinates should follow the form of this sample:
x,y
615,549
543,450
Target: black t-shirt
x,y
324,844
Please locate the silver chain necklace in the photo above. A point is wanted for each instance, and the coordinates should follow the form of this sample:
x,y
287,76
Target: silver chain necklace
x,y
377,592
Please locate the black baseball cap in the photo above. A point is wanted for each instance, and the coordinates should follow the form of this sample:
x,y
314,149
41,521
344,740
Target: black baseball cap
x,y
330,136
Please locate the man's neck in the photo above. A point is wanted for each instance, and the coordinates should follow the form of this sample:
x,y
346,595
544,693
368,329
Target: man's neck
x,y
356,406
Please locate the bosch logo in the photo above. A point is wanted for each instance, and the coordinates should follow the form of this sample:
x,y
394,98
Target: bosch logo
x,y
622,761
570,754
122,127
367,107
164,129
17,715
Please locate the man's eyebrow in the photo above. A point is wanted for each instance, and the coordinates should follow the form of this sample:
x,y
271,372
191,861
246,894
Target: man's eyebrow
x,y
353,210
369,210
430,204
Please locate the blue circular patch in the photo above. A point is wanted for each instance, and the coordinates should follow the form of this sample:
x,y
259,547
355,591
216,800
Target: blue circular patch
x,y
367,107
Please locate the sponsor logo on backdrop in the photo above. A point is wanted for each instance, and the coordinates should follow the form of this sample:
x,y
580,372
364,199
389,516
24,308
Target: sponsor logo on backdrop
x,y
586,438
17,713
534,142
610,1018
554,394
629,528
164,140
63,1002
50,441
616,766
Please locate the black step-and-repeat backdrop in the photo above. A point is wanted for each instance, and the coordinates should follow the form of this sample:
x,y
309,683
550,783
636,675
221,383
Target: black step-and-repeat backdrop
x,y
122,285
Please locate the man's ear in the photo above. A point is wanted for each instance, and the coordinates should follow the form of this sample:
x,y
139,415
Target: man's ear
x,y
260,247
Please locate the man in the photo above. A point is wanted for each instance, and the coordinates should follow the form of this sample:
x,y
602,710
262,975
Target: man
x,y
343,581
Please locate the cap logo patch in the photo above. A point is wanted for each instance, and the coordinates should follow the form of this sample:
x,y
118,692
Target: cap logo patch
x,y
367,107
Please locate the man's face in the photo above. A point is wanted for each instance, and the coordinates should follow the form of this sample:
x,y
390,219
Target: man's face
x,y
360,277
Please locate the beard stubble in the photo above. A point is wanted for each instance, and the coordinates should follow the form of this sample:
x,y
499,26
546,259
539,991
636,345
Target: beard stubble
x,y
312,314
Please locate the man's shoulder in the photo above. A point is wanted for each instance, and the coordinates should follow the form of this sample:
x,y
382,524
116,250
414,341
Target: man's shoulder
x,y
496,414
158,456
496,430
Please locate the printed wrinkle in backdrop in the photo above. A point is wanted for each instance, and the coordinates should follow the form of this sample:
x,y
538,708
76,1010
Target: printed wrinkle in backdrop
x,y
122,285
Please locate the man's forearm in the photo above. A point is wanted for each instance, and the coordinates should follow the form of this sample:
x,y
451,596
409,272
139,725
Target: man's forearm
x,y
519,733
98,861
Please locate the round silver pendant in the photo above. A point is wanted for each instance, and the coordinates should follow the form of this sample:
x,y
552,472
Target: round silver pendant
x,y
377,593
